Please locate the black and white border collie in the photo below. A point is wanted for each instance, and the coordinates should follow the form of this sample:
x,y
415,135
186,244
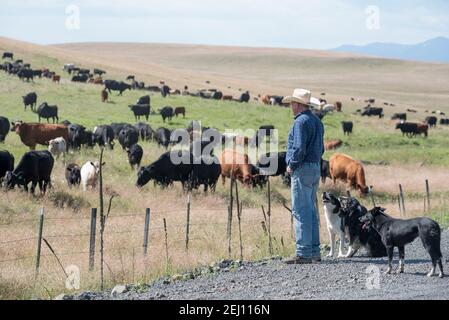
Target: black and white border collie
x,y
348,223
398,233
334,223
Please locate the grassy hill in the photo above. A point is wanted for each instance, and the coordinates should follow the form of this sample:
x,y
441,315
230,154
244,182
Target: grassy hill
x,y
408,161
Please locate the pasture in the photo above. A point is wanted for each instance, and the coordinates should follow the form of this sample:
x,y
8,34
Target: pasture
x,y
393,159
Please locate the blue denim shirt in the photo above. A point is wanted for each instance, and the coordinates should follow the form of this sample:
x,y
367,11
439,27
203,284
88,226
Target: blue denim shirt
x,y
305,140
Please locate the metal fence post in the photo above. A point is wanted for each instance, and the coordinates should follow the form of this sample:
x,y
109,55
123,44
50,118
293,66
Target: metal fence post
x,y
188,223
93,231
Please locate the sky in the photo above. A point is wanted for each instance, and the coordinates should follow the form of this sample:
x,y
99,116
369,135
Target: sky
x,y
263,23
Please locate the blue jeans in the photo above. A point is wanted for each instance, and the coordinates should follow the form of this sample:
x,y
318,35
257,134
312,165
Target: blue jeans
x,y
305,181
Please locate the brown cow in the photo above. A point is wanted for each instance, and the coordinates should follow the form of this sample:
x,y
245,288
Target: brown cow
x,y
180,110
97,80
39,133
343,167
266,99
423,129
338,106
332,144
227,98
56,78
235,165
104,96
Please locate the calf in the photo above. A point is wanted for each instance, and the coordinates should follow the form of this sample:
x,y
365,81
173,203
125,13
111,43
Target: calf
x,y
140,110
30,100
180,110
235,165
167,113
45,111
104,95
73,175
135,154
399,116
89,174
6,163
4,128
35,167
56,78
57,147
103,135
332,144
347,127
431,121
128,136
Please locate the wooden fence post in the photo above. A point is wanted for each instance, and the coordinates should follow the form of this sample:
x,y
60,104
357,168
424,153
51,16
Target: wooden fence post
x,y
188,223
93,230
428,194
166,243
239,218
401,195
229,231
39,242
146,231
270,245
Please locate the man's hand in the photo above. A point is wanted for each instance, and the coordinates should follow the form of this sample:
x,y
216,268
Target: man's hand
x,y
289,170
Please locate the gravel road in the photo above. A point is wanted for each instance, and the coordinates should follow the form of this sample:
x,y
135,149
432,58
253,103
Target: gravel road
x,y
332,279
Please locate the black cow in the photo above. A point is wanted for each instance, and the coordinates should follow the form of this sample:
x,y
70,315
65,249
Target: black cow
x,y
77,136
165,91
6,163
347,127
205,171
103,135
371,111
431,121
73,175
162,137
135,154
99,72
116,86
45,111
117,127
25,74
217,95
30,100
170,167
144,130
84,71
88,139
80,78
409,129
34,167
399,116
272,164
128,136
167,113
4,128
37,73
325,170
245,97
9,55
444,122
140,110
144,100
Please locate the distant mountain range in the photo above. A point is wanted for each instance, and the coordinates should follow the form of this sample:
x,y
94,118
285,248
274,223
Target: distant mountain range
x,y
434,50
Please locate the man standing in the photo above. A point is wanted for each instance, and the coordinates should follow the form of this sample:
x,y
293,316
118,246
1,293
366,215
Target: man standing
x,y
304,152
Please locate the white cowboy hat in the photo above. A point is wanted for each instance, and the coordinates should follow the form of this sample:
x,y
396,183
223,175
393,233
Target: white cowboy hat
x,y
301,96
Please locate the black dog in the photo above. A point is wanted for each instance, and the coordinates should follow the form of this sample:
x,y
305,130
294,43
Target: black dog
x,y
398,233
351,211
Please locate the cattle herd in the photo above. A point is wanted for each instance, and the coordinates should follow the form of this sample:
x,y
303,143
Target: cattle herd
x,y
199,165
